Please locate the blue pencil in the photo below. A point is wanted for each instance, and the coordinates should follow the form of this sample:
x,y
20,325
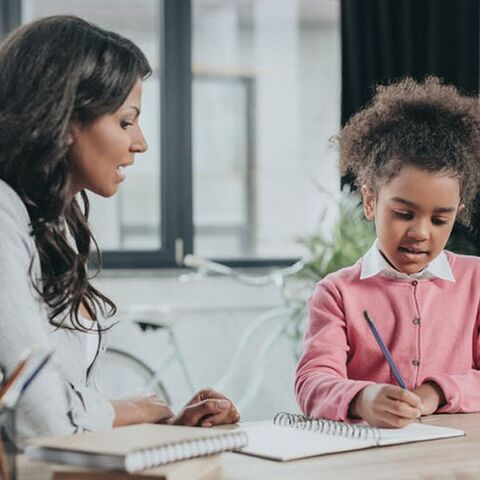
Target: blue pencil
x,y
386,353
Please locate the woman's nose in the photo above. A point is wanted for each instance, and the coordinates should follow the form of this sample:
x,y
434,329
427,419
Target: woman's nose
x,y
139,144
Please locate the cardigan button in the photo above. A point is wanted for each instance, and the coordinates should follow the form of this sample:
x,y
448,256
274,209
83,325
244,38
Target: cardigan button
x,y
414,283
416,321
415,362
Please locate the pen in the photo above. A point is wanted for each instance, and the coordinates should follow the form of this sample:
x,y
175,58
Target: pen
x,y
386,353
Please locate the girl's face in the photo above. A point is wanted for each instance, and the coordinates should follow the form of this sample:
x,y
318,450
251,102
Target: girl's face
x,y
414,215
102,149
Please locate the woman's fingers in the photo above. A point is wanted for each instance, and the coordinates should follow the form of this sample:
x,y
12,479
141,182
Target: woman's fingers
x,y
193,414
222,418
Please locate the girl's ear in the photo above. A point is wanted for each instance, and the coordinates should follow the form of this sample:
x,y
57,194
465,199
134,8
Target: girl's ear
x,y
368,196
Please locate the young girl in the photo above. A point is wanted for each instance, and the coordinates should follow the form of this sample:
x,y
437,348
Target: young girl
x,y
70,98
415,152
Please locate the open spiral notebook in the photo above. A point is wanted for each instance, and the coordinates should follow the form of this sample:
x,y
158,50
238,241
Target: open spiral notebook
x,y
293,436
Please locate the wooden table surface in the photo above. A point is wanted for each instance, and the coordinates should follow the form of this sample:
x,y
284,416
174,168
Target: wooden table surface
x,y
444,459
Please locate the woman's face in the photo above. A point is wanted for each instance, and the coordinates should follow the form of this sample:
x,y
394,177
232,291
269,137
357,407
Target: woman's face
x,y
102,149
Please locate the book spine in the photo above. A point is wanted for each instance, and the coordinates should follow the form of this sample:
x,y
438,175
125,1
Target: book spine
x,y
152,457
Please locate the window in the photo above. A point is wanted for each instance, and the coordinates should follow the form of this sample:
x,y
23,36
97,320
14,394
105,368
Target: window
x,y
238,114
133,215
266,100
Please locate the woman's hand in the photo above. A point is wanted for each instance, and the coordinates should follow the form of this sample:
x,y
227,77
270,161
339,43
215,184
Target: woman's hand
x,y
431,396
206,409
386,406
140,409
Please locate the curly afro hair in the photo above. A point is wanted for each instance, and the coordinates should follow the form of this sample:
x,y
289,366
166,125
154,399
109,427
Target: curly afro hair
x,y
428,125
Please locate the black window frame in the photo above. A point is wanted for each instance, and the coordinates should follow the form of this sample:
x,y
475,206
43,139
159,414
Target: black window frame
x,y
176,231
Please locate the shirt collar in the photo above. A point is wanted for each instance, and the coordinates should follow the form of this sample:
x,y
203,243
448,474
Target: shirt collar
x,y
374,263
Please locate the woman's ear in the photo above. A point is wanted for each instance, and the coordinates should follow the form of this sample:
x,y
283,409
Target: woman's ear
x,y
368,196
73,132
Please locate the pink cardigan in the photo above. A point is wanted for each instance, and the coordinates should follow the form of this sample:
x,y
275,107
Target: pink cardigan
x,y
431,327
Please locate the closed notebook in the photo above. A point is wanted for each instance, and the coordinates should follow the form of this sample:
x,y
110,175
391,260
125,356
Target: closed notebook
x,y
204,468
292,436
135,447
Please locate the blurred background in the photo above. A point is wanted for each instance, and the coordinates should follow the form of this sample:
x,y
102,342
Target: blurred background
x,y
240,114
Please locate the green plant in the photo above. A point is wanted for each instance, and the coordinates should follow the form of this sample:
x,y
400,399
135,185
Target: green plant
x,y
349,239
351,236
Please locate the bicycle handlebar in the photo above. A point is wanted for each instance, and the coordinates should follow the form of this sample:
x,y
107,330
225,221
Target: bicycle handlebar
x,y
193,261
208,266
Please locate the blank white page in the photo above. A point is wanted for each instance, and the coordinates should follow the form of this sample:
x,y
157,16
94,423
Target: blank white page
x,y
288,443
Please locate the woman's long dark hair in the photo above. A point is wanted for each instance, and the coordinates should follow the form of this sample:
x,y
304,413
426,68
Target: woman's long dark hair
x,y
53,72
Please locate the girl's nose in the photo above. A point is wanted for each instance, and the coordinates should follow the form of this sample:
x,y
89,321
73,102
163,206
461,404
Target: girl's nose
x,y
418,231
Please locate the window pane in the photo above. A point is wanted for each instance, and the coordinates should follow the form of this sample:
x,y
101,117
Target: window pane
x,y
131,219
266,100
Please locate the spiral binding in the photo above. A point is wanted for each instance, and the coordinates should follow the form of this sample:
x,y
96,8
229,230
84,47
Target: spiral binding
x,y
184,449
329,427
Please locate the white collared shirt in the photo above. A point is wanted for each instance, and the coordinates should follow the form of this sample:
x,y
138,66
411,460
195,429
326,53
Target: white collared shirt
x,y
374,263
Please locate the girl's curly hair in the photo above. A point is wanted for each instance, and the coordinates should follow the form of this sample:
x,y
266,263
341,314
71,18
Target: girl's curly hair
x,y
426,124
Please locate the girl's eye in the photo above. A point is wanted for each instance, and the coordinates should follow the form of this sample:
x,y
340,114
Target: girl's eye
x,y
403,215
439,221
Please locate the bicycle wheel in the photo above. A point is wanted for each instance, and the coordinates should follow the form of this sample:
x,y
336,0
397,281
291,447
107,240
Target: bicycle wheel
x,y
120,373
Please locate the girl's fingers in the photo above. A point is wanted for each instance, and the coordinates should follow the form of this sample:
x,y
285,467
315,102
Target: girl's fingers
x,y
402,395
401,409
389,420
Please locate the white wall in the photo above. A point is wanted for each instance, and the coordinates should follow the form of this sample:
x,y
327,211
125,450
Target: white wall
x,y
207,340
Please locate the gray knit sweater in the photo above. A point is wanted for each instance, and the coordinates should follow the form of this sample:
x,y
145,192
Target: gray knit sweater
x,y
63,398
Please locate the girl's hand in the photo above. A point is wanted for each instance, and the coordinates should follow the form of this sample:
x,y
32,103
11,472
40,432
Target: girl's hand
x,y
386,406
206,409
431,396
140,409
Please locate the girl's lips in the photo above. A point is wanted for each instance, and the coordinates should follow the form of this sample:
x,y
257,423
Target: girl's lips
x,y
413,251
410,255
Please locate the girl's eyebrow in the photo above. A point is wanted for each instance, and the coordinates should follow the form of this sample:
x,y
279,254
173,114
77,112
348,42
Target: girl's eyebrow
x,y
411,204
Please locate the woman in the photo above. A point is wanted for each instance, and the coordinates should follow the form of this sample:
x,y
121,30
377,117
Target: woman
x,y
70,95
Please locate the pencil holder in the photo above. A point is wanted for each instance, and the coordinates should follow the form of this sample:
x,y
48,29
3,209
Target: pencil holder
x,y
8,470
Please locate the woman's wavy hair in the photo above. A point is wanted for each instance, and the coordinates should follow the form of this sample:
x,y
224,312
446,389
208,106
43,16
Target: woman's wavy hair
x,y
55,71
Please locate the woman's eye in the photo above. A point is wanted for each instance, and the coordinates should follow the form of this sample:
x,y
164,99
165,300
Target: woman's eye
x,y
403,215
126,123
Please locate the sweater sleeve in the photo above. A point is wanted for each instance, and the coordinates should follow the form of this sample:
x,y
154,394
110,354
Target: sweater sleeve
x,y
462,391
89,410
44,409
51,405
321,384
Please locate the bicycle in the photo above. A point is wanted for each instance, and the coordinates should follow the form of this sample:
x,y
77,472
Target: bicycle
x,y
286,318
